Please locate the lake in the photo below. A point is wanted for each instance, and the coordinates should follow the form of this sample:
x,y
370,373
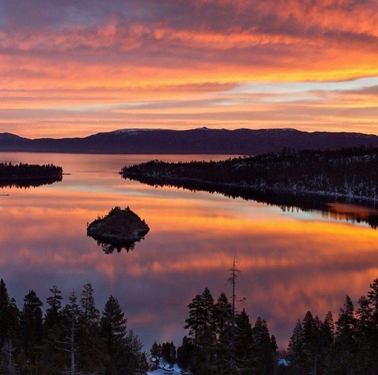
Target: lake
x,y
291,261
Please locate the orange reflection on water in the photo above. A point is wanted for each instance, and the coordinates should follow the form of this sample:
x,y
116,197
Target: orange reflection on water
x,y
350,211
290,262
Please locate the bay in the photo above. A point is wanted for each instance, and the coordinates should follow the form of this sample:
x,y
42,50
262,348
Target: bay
x,y
291,261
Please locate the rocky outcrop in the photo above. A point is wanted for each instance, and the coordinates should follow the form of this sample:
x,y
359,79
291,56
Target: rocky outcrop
x,y
120,228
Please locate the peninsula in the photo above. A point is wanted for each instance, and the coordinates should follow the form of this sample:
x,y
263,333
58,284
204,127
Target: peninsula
x,y
25,175
350,174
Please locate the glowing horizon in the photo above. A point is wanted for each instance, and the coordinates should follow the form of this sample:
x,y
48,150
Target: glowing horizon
x,y
74,69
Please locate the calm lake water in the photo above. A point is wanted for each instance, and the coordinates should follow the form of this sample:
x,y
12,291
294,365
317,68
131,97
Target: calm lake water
x,y
290,261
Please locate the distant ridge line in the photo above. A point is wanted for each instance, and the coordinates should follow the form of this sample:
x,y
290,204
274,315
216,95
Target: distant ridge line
x,y
194,141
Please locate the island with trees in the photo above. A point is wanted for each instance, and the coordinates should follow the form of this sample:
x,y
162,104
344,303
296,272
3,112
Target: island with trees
x,y
25,175
118,229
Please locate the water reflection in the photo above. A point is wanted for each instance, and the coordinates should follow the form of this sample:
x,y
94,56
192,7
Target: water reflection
x,y
348,209
109,247
353,213
291,262
26,183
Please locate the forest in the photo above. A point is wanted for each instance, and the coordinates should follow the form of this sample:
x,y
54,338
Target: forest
x,y
25,175
77,339
72,339
222,340
24,170
345,173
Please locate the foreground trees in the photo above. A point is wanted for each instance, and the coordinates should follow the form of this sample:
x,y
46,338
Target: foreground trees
x,y
73,339
350,346
221,341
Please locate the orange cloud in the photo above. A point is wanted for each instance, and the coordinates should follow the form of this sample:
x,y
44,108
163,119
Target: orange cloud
x,y
59,78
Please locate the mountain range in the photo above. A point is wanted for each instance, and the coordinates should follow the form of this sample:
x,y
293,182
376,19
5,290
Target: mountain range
x,y
194,141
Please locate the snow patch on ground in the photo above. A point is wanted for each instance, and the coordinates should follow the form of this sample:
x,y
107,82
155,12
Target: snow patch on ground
x,y
166,371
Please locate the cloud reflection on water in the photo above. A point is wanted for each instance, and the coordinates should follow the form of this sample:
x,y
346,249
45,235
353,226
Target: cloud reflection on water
x,y
289,265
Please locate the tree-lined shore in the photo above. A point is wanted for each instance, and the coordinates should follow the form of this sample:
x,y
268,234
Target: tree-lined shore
x,y
345,173
24,175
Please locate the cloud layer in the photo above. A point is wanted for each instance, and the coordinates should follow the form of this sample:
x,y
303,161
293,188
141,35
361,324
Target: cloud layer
x,y
57,56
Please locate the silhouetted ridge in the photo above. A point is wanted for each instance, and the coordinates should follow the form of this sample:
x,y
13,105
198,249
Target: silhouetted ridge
x,y
194,141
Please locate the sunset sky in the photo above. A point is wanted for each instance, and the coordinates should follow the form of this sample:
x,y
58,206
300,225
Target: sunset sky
x,y
78,67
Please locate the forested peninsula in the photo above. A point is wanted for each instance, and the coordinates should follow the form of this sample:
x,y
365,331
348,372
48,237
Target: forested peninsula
x,y
26,175
349,174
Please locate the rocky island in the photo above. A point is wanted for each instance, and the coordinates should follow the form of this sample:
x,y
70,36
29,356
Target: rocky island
x,y
119,229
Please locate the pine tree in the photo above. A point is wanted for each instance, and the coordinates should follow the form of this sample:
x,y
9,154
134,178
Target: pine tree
x,y
4,311
185,354
9,318
223,320
168,353
9,330
311,342
32,326
295,351
326,342
343,356
52,331
52,313
201,323
244,345
264,349
373,300
90,315
122,349
202,333
69,344
89,341
113,325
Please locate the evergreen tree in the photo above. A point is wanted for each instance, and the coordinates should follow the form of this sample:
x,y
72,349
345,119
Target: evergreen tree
x,y
156,350
4,311
89,341
9,331
113,326
201,327
373,300
311,342
52,313
52,328
185,354
264,349
168,353
201,323
32,327
325,344
70,326
244,345
122,350
295,351
133,358
223,321
90,315
156,353
345,347
9,318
